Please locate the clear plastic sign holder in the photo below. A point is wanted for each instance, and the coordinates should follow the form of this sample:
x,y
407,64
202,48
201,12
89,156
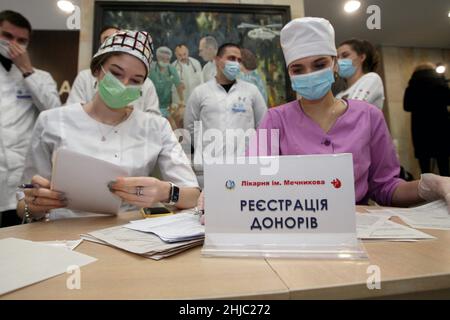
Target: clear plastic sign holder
x,y
230,220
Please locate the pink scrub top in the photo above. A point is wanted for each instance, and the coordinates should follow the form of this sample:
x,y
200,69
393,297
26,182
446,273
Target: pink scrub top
x,y
361,130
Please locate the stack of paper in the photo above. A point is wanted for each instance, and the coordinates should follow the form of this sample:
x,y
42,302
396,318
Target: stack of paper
x,y
433,215
25,262
154,238
379,227
174,228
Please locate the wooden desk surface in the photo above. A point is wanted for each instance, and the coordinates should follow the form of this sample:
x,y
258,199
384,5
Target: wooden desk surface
x,y
406,268
121,275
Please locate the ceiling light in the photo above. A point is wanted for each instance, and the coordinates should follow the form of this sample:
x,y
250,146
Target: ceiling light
x,y
352,6
440,69
66,6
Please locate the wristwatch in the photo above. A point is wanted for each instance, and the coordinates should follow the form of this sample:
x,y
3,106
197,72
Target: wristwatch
x,y
27,74
174,194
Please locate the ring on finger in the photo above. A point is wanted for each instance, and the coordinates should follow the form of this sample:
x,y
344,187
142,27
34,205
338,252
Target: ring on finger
x,y
139,191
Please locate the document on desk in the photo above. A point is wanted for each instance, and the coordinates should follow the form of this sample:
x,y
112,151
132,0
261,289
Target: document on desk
x,y
84,180
373,227
132,241
174,228
145,244
25,262
67,244
433,215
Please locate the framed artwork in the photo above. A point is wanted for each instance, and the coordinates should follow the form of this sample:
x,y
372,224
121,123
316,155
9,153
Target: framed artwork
x,y
254,27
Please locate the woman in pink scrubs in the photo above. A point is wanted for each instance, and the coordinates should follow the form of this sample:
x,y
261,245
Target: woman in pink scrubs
x,y
318,123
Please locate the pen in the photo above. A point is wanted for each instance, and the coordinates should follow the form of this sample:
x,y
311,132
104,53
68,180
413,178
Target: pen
x,y
28,186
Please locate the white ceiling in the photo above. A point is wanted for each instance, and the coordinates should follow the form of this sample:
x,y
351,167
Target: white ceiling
x,y
42,14
404,23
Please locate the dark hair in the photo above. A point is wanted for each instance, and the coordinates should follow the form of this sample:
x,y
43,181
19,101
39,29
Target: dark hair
x,y
16,19
181,45
97,62
248,59
361,47
107,27
223,47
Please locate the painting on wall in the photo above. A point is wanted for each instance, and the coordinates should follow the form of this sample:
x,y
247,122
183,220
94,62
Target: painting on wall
x,y
254,27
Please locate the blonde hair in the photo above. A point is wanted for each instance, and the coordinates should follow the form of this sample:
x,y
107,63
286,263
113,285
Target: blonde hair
x,y
425,66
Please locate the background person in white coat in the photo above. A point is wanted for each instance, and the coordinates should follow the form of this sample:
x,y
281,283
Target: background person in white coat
x,y
207,48
24,92
221,104
85,85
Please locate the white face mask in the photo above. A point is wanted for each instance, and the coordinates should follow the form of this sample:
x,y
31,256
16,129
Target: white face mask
x,y
4,48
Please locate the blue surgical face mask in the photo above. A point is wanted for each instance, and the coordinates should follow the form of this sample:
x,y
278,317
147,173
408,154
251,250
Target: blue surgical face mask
x,y
314,85
231,70
346,68
163,64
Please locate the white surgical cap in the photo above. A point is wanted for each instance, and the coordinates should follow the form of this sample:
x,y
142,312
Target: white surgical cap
x,y
164,51
306,37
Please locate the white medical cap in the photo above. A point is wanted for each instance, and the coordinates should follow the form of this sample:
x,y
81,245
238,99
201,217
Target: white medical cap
x,y
164,51
306,37
136,43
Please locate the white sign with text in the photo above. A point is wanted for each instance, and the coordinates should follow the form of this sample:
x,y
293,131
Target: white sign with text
x,y
304,209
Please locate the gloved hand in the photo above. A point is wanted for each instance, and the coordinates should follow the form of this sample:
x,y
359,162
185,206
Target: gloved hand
x,y
433,187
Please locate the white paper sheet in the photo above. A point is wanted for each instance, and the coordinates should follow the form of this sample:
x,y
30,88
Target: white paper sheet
x,y
379,227
25,262
174,228
67,244
433,215
84,180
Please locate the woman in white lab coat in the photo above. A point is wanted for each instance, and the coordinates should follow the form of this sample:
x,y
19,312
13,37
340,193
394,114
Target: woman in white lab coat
x,y
108,129
358,61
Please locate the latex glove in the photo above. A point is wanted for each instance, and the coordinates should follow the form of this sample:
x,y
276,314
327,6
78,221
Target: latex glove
x,y
433,187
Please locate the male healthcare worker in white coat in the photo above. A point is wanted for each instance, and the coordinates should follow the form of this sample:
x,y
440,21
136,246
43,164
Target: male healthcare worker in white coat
x,y
190,71
24,92
85,85
222,104
207,50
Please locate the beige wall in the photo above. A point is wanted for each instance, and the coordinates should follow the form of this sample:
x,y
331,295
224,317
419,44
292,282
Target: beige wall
x,y
398,66
87,20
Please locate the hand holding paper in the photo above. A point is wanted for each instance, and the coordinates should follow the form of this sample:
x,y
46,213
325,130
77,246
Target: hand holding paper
x,y
84,180
153,190
41,199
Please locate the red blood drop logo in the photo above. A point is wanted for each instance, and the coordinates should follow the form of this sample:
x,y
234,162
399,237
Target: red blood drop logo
x,y
336,183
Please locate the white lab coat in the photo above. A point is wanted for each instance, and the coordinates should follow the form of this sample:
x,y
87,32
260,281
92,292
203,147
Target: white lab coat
x,y
21,101
84,89
368,88
243,107
138,144
209,71
191,75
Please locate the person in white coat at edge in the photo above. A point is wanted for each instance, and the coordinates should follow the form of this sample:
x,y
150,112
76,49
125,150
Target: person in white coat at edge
x,y
108,128
85,85
358,60
24,92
